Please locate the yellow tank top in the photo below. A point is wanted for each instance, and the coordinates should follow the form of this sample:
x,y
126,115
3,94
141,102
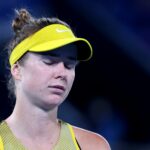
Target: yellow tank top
x,y
67,140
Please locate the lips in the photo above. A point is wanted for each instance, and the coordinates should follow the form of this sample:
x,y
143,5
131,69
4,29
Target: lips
x,y
59,87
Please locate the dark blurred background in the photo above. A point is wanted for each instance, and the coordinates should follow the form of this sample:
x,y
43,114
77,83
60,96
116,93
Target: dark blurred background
x,y
111,92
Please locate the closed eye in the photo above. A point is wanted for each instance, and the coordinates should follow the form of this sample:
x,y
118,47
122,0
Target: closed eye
x,y
71,65
49,62
68,63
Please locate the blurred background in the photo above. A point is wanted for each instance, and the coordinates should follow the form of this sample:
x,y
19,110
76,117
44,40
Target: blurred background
x,y
111,93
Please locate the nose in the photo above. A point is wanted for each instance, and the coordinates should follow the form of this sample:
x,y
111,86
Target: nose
x,y
61,71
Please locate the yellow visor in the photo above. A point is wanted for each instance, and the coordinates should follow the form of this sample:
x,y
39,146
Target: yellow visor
x,y
49,38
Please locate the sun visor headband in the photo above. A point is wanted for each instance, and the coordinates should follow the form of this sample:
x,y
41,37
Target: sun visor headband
x,y
49,38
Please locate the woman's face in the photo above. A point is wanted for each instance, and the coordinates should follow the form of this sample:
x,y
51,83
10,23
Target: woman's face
x,y
46,78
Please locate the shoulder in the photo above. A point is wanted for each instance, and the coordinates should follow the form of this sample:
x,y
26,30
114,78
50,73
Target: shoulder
x,y
89,140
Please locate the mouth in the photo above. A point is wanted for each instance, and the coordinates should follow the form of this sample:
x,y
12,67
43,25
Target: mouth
x,y
58,87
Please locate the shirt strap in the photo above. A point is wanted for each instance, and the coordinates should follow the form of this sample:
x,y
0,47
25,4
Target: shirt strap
x,y
73,137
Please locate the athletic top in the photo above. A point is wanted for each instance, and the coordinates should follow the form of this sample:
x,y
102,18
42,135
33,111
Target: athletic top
x,y
66,141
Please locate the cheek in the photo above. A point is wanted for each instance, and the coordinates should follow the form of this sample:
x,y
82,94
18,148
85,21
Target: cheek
x,y
71,78
33,77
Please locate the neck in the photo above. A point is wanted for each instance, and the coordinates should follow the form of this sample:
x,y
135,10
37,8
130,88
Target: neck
x,y
29,120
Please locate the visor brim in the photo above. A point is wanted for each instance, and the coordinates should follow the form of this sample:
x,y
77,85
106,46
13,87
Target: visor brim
x,y
83,46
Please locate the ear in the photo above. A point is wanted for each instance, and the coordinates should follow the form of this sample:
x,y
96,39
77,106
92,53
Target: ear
x,y
16,71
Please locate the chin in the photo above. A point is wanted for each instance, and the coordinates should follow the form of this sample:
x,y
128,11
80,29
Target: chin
x,y
55,99
52,100
49,105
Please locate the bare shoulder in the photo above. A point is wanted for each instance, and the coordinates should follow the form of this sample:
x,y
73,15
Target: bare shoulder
x,y
89,140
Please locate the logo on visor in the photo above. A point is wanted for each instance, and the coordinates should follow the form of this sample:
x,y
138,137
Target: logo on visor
x,y
61,30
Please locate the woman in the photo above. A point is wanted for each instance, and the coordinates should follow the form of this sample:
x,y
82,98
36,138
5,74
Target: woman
x,y
43,57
